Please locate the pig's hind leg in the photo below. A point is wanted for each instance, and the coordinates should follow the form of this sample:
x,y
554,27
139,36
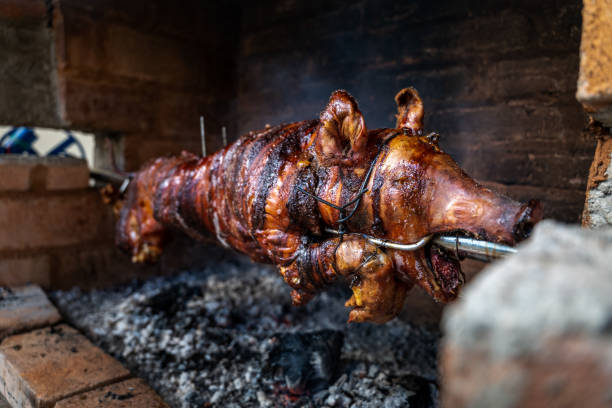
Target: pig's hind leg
x,y
377,295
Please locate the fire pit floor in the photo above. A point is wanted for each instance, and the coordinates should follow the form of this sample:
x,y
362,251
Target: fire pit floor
x,y
229,336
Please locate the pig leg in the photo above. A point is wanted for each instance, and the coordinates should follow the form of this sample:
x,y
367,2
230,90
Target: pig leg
x,y
138,232
377,295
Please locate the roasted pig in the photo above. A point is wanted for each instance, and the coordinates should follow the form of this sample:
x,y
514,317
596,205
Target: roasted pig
x,y
302,195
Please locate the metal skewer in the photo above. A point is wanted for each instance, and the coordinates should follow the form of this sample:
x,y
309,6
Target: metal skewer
x,y
474,248
106,176
224,135
111,177
470,247
203,136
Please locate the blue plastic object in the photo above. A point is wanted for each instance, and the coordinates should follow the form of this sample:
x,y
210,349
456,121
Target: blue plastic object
x,y
18,140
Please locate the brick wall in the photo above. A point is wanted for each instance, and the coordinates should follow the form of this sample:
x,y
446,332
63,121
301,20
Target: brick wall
x,y
28,94
54,230
139,73
146,71
498,80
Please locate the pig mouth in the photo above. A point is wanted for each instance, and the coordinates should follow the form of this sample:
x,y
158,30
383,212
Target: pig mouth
x,y
444,268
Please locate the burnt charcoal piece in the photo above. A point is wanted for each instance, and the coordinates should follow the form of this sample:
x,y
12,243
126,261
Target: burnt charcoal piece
x,y
425,392
305,362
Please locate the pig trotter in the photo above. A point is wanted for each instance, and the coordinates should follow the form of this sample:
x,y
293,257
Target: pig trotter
x,y
377,295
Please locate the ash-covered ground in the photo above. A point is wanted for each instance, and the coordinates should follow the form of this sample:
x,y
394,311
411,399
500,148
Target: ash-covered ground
x,y
228,336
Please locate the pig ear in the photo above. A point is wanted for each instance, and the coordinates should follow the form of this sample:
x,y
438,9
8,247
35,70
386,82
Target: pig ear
x,y
342,135
409,109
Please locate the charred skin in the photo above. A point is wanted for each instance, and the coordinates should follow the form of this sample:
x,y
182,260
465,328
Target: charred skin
x,y
246,197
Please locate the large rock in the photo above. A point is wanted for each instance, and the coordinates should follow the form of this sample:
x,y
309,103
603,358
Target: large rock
x,y
536,329
598,206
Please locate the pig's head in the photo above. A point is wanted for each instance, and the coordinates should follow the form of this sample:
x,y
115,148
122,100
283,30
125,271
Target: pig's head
x,y
416,190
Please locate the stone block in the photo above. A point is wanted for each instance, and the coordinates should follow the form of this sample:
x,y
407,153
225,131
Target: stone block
x,y
534,329
25,308
132,393
41,367
25,268
598,206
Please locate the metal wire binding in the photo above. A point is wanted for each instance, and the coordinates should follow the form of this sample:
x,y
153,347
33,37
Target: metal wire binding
x,y
390,244
357,200
472,248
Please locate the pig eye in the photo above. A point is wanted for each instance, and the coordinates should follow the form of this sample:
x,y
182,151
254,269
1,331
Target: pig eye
x,y
433,137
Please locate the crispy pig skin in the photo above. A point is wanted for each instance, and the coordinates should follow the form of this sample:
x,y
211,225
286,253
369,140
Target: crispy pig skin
x,y
245,197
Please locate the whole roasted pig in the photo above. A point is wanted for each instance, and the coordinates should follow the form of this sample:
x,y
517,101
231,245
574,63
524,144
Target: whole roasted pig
x,y
302,195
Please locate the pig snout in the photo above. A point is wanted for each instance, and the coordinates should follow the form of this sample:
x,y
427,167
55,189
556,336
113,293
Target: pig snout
x,y
528,215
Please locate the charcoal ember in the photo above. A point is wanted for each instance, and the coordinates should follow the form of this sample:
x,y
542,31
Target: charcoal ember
x,y
306,361
208,338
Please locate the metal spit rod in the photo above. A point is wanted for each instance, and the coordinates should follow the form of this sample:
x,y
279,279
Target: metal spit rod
x,y
474,248
203,136
470,247
106,175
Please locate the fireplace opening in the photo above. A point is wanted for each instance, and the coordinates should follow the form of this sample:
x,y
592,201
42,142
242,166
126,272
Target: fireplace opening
x,y
292,203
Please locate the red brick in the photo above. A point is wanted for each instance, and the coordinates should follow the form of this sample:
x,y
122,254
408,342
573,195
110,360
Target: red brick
x,y
66,173
39,368
181,113
132,393
25,308
102,106
106,48
23,173
15,173
25,268
194,21
22,10
52,220
140,148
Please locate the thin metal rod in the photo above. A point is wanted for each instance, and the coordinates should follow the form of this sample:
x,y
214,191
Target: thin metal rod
x,y
474,248
396,245
224,135
203,136
106,176
111,177
390,244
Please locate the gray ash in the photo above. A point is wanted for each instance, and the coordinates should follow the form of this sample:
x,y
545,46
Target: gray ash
x,y
228,336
